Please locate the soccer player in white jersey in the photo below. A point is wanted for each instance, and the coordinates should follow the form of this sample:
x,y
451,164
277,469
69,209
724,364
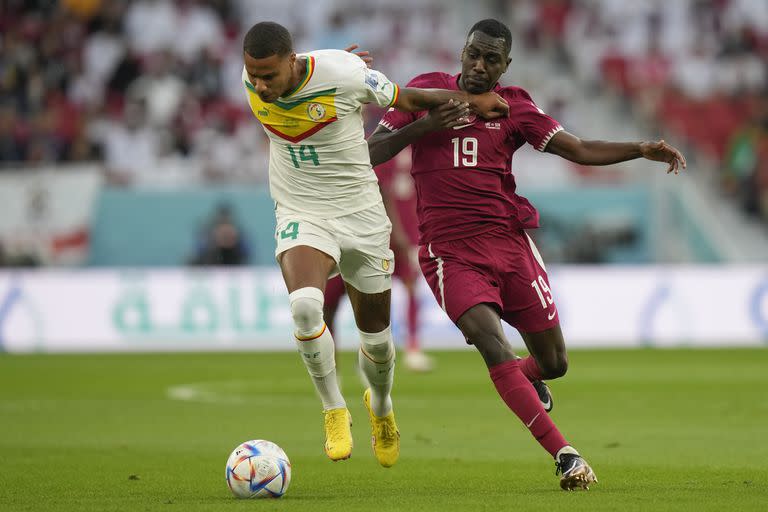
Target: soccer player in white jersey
x,y
330,216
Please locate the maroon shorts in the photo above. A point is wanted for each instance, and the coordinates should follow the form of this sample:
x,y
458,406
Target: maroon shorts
x,y
499,267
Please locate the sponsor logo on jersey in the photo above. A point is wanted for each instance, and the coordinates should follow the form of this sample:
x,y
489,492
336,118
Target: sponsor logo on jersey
x,y
493,125
263,112
315,111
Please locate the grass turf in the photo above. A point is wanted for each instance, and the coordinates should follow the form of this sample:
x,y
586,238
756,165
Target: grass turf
x,y
664,430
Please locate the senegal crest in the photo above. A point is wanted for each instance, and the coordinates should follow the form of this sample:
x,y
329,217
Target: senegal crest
x,y
315,111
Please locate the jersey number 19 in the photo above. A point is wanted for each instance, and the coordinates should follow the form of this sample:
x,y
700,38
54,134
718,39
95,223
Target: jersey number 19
x,y
464,150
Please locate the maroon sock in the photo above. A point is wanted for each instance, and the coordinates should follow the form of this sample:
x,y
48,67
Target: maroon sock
x,y
517,392
530,369
413,322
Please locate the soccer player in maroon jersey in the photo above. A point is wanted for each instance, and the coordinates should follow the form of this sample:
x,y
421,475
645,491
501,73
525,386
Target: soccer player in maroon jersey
x,y
475,254
399,196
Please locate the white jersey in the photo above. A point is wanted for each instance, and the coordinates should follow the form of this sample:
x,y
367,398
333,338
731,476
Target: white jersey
x,y
318,156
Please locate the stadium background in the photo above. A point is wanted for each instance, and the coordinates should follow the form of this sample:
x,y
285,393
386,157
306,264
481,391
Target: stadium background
x,y
123,131
124,137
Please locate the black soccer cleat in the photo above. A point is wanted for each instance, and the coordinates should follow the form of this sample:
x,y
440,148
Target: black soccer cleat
x,y
545,395
575,472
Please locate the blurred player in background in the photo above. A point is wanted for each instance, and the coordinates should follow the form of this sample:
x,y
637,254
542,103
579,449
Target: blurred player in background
x,y
477,258
399,196
330,217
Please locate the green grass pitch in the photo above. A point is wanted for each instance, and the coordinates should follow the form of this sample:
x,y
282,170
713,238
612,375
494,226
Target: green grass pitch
x,y
664,430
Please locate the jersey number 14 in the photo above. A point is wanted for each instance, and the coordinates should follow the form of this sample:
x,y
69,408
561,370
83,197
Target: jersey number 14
x,y
303,153
464,152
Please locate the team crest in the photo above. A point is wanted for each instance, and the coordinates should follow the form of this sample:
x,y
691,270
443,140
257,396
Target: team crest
x,y
315,111
385,265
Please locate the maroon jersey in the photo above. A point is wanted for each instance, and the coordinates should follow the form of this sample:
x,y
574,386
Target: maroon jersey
x,y
464,183
395,178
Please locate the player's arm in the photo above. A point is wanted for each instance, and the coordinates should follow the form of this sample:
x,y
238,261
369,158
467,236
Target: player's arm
x,y
597,152
384,144
488,105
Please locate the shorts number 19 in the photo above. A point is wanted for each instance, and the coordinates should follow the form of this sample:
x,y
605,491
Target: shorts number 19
x,y
540,285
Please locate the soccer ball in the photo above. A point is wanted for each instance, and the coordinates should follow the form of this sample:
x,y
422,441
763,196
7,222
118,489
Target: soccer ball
x,y
258,469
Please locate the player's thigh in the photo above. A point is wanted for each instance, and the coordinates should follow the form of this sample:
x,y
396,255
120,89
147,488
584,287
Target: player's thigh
x,y
371,310
366,262
366,265
306,251
456,283
304,266
481,327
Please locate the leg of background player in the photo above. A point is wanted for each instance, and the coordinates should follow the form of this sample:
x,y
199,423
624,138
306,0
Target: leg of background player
x,y
305,272
415,359
334,291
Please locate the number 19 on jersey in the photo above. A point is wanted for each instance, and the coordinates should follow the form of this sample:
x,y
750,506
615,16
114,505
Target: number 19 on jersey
x,y
464,152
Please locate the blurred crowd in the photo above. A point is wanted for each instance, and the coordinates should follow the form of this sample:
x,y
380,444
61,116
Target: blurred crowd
x,y
697,69
136,82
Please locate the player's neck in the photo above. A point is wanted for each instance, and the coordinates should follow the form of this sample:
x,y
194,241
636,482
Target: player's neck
x,y
299,70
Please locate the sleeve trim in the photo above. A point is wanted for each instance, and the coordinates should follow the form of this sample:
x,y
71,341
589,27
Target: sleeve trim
x,y
543,144
395,95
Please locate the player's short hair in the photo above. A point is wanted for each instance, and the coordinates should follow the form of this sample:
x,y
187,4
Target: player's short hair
x,y
266,39
493,28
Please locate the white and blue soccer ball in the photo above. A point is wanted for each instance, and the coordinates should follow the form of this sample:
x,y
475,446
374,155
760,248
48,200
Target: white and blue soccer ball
x,y
258,469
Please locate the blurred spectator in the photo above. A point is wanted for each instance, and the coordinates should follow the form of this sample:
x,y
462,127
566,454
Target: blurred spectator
x,y
221,241
130,147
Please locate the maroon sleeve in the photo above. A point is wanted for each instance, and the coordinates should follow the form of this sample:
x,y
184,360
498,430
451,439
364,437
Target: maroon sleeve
x,y
394,119
535,126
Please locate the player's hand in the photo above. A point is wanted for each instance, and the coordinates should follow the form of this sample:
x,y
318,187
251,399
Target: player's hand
x,y
489,105
450,114
364,55
660,151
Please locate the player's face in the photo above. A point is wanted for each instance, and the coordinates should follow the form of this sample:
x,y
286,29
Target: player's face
x,y
270,76
483,60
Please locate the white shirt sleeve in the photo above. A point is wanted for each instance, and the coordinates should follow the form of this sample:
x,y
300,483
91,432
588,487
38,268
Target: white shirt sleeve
x,y
370,86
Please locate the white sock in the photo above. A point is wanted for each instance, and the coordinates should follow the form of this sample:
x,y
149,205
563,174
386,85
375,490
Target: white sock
x,y
566,449
315,345
377,362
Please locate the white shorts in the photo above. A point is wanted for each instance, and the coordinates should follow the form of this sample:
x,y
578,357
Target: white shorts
x,y
359,243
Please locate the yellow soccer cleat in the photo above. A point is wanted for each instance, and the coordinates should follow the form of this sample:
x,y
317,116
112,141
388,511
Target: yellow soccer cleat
x,y
338,435
385,437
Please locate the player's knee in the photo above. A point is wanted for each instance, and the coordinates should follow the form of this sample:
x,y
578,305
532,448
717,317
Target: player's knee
x,y
378,346
307,310
555,367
